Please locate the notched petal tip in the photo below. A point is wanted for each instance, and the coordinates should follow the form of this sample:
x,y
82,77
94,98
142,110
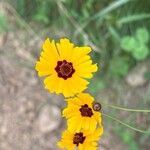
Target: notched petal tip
x,y
66,42
37,67
64,39
47,39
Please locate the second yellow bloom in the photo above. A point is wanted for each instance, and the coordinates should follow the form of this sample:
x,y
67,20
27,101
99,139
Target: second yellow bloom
x,y
80,113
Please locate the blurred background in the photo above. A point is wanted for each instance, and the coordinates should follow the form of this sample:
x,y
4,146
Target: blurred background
x,y
118,32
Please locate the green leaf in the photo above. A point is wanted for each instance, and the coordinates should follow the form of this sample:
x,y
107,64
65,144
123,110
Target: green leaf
x,y
127,137
142,35
128,43
3,24
140,53
119,67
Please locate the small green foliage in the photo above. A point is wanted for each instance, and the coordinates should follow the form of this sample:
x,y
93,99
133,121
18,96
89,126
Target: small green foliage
x,y
119,67
128,43
127,137
142,35
41,14
141,52
136,44
3,24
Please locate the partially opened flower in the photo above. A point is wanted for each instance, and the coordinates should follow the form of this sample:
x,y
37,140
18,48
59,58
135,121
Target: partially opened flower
x,y
83,140
81,114
65,67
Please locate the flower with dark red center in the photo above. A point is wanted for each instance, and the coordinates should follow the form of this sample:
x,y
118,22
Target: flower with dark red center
x,y
86,111
82,140
80,113
64,69
78,138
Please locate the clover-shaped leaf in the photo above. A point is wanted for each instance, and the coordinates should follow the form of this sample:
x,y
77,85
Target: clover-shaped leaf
x,y
141,52
128,43
142,35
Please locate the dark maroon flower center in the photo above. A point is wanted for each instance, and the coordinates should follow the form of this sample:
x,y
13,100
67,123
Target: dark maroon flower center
x,y
78,138
64,69
86,111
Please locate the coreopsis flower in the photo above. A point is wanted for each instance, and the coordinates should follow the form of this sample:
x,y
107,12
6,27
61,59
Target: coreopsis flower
x,y
83,140
65,66
82,113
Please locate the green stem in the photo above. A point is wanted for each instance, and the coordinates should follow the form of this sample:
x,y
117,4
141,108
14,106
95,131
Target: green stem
x,y
126,109
133,128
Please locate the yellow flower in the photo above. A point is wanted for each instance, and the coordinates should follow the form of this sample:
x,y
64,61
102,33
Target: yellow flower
x,y
65,66
82,140
80,113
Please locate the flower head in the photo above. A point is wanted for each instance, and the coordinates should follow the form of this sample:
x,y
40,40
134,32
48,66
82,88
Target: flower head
x,y
80,113
65,66
82,140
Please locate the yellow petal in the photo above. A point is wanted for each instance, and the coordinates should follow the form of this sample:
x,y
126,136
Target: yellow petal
x,y
80,147
96,135
79,52
49,50
86,68
50,83
65,49
72,124
44,67
93,124
82,60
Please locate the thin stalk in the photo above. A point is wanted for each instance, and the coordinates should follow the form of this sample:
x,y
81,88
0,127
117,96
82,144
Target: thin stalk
x,y
133,18
127,125
102,13
127,109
